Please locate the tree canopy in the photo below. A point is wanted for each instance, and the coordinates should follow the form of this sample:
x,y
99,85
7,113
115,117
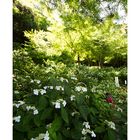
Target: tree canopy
x,y
93,32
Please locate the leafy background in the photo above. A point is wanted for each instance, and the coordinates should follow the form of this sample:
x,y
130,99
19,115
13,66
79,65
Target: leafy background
x,y
62,46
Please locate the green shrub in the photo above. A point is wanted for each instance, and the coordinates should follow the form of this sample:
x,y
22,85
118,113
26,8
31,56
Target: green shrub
x,y
63,102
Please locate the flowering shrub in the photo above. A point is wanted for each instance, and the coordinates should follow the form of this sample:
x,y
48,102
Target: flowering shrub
x,y
68,103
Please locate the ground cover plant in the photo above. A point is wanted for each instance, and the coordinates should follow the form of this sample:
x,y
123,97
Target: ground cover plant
x,y
69,103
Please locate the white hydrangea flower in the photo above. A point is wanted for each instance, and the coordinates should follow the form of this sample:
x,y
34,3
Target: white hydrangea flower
x,y
93,89
66,80
42,91
47,136
93,134
28,108
38,81
41,136
45,87
110,124
16,92
125,82
48,125
63,79
120,101
33,107
33,139
119,109
17,105
84,131
74,78
84,89
36,92
59,88
62,88
17,118
21,102
86,124
57,105
32,81
87,96
87,129
64,103
73,113
78,88
35,112
117,82
83,138
72,97
51,87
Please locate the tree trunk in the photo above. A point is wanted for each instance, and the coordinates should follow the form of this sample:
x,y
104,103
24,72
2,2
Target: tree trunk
x,y
78,59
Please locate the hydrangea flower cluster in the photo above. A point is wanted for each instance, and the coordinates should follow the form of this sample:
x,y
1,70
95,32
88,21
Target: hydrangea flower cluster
x,y
110,124
86,129
93,89
56,87
63,79
36,91
35,111
59,102
74,78
120,101
18,104
119,109
16,92
74,113
42,136
80,88
72,97
17,118
43,91
59,88
48,87
36,81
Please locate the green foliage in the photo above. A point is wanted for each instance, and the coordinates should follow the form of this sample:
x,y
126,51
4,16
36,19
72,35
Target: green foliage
x,y
55,97
66,121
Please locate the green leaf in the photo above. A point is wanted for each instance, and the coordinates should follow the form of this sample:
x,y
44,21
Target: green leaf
x,y
80,99
99,129
52,134
64,115
117,115
66,133
47,113
42,102
56,124
93,111
84,111
76,134
27,119
18,135
59,136
32,134
37,120
111,135
22,128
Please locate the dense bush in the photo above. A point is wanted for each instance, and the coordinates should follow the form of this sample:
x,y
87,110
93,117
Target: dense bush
x,y
58,102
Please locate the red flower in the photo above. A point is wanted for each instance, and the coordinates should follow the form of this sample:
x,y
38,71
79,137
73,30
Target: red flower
x,y
109,99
